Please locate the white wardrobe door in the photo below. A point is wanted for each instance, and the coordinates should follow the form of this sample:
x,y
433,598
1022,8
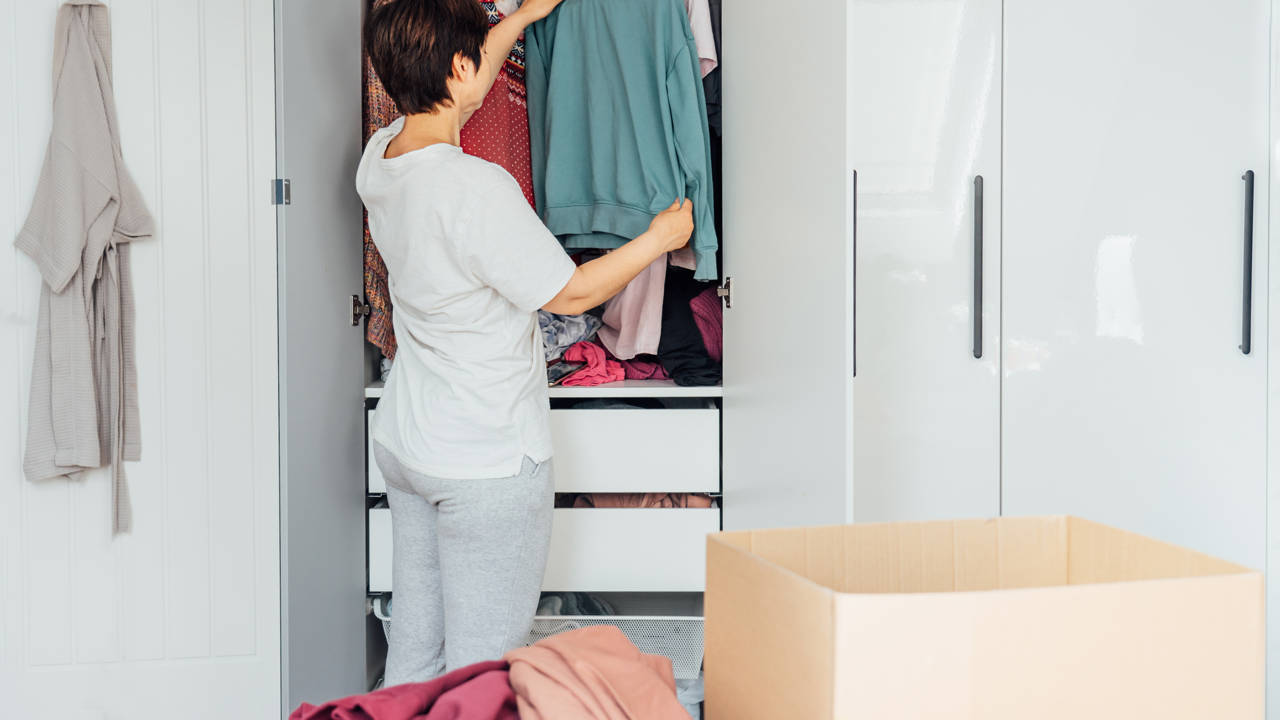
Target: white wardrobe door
x,y
1127,398
787,235
925,118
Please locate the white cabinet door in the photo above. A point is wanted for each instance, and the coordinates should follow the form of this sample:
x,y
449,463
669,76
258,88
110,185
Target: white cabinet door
x,y
1127,398
787,240
925,118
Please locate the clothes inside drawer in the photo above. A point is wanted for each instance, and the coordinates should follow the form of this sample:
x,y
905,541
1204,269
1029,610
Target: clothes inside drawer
x,y
643,550
636,450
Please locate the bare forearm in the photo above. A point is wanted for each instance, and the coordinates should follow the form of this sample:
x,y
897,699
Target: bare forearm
x,y
606,276
501,38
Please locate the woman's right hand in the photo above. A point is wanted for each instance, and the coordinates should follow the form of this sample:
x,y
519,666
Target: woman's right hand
x,y
674,225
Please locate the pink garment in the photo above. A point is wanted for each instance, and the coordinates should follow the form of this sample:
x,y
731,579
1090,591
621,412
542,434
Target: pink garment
x,y
643,500
703,35
476,692
708,315
599,370
633,318
684,258
594,673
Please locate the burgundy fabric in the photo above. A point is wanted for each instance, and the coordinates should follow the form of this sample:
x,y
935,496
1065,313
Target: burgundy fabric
x,y
708,316
600,368
476,692
643,370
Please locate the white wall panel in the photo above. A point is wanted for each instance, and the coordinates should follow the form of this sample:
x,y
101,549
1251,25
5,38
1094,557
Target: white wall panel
x,y
181,616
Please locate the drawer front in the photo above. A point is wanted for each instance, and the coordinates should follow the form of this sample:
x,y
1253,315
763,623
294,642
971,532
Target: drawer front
x,y
629,550
380,550
622,451
377,485
599,550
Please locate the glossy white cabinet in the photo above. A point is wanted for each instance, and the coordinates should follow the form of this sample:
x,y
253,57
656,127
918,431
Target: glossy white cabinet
x,y
924,127
787,185
1126,396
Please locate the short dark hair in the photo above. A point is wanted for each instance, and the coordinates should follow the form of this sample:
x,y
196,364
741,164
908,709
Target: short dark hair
x,y
412,44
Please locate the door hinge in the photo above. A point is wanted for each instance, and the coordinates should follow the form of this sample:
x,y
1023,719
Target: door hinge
x,y
359,309
281,193
726,291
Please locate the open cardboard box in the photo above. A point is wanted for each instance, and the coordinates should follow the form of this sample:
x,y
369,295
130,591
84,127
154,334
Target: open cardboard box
x,y
1016,618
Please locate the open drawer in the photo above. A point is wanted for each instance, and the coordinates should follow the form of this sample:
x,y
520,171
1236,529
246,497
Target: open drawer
x,y
641,450
599,550
629,550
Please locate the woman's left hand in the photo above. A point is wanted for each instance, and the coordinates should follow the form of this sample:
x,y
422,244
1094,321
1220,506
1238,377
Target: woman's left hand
x,y
535,10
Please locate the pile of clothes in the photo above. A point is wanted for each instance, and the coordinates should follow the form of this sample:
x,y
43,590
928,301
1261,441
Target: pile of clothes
x,y
594,673
688,350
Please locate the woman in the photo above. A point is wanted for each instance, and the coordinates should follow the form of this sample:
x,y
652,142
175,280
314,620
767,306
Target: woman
x,y
461,433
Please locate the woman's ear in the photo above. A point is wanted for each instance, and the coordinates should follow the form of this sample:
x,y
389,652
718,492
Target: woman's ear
x,y
463,69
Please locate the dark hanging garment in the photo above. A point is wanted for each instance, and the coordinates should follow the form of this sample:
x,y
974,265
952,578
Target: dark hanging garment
x,y
681,351
711,83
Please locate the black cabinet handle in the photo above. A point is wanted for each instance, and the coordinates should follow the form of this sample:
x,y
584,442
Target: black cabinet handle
x,y
977,266
1246,325
853,255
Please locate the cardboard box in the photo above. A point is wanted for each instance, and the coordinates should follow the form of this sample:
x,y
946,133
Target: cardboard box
x,y
1016,618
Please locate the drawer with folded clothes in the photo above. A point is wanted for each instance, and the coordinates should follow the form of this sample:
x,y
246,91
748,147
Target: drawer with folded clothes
x,y
612,446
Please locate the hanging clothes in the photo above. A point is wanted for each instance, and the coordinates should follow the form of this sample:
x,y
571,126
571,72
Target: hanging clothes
x,y
711,81
708,316
379,112
86,213
498,132
682,351
633,317
704,35
603,169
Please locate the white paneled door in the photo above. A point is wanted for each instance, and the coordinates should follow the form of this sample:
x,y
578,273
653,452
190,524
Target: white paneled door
x,y
179,618
1128,398
925,137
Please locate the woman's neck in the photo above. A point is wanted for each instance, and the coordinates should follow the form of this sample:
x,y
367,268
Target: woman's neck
x,y
443,126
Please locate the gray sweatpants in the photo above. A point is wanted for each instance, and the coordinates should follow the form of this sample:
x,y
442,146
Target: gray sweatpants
x,y
467,563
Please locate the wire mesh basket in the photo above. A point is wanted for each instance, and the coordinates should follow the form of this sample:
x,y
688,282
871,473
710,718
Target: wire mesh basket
x,y
678,638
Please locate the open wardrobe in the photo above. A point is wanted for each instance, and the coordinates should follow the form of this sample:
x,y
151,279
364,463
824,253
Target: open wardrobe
x,y
951,259
658,449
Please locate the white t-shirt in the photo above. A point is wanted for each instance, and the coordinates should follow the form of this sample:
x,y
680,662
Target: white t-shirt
x,y
469,263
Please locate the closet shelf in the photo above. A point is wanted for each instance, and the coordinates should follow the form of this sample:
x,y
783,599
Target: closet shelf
x,y
623,389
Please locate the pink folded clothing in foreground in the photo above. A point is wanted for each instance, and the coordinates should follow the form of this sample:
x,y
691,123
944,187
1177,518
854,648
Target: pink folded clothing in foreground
x,y
594,673
476,692
600,368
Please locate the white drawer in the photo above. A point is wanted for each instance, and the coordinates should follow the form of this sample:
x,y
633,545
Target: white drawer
x,y
380,550
629,550
599,550
622,451
377,485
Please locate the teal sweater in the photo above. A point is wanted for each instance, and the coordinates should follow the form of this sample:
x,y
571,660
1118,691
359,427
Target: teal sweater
x,y
618,123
